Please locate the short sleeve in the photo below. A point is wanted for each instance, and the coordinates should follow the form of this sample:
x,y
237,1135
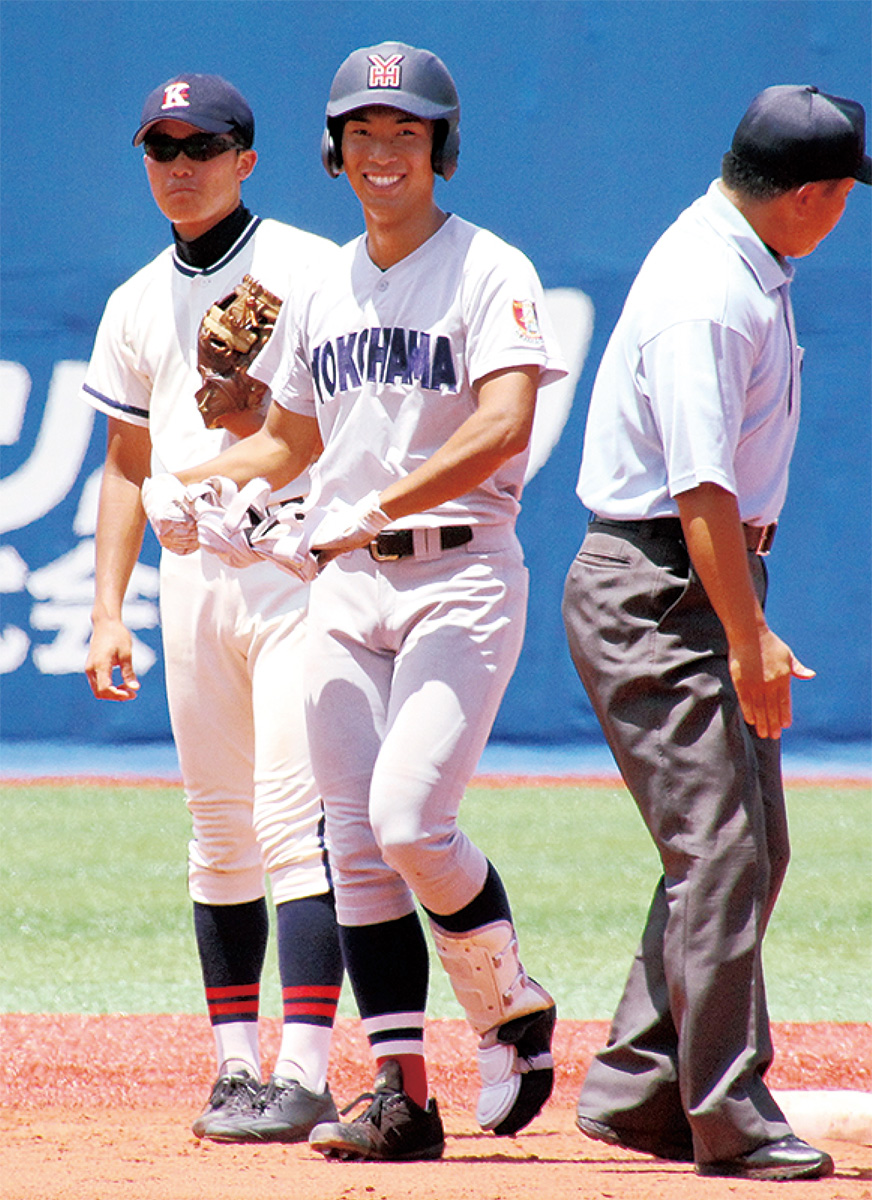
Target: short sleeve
x,y
283,364
115,382
507,318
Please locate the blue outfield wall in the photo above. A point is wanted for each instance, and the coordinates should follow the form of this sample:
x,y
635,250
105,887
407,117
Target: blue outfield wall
x,y
586,128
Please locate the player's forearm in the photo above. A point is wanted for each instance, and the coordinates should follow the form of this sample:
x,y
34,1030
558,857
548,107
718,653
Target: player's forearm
x,y
278,452
120,516
120,527
464,462
497,431
250,458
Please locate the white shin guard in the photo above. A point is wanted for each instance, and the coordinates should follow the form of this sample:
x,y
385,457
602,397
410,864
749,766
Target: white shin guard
x,y
514,1053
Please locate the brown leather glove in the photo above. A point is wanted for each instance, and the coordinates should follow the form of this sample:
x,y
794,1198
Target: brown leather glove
x,y
232,333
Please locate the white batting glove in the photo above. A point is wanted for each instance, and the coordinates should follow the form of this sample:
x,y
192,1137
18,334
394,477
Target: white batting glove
x,y
226,517
283,538
349,526
168,508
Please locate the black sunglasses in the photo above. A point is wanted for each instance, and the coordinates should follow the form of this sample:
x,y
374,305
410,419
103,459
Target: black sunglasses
x,y
199,147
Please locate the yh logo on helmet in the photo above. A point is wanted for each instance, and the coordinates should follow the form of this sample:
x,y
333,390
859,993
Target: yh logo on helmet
x,y
176,96
385,72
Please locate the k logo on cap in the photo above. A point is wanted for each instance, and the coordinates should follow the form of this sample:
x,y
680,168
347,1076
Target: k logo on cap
x,y
176,96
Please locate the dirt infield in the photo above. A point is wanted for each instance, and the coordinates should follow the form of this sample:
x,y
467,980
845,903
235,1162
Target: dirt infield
x,y
99,1108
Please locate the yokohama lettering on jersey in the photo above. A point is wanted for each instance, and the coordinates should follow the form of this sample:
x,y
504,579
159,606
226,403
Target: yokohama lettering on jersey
x,y
387,361
383,356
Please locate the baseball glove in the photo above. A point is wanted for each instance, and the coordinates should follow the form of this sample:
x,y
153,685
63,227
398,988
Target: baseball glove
x,y
232,333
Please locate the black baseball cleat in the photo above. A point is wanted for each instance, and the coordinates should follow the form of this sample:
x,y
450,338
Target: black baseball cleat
x,y
630,1139
231,1096
392,1129
285,1111
517,1071
788,1158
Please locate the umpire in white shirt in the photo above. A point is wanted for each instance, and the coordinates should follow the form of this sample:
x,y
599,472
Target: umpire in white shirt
x,y
692,423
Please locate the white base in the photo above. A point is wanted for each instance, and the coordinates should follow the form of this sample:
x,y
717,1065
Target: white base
x,y
823,1115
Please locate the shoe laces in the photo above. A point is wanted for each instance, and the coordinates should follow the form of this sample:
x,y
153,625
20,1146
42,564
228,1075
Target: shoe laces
x,y
275,1088
231,1086
369,1096
387,1109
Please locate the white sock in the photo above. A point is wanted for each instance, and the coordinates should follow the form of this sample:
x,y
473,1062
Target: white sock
x,y
304,1055
236,1048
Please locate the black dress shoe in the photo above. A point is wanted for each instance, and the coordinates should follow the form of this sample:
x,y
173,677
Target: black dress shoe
x,y
631,1139
789,1158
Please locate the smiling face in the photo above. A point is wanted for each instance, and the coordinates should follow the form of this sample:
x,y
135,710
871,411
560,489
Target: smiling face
x,y
195,196
386,154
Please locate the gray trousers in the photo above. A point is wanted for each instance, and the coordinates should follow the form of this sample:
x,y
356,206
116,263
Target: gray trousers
x,y
690,1043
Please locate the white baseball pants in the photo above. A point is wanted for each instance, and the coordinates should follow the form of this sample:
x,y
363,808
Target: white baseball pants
x,y
407,664
233,642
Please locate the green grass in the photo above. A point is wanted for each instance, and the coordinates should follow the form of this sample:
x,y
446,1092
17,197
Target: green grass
x,y
95,915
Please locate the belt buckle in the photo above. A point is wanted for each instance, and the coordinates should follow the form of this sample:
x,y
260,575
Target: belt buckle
x,y
379,556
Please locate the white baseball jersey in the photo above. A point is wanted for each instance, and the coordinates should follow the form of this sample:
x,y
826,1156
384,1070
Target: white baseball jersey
x,y
700,381
387,360
144,365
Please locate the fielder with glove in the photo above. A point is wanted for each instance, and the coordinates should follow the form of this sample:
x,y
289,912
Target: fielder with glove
x,y
170,371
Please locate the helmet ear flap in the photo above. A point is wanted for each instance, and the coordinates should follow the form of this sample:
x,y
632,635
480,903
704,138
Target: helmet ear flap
x,y
446,147
331,148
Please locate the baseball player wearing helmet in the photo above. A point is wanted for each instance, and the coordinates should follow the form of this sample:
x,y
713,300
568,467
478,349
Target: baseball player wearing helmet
x,y
691,428
416,361
233,639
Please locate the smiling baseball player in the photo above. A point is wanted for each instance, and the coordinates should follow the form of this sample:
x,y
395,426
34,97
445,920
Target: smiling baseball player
x,y
168,369
417,361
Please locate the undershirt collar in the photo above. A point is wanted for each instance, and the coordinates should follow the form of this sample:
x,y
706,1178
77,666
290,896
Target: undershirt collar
x,y
205,251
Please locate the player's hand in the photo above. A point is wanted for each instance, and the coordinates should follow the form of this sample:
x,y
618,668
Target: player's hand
x,y
226,517
111,650
348,527
284,539
168,508
761,672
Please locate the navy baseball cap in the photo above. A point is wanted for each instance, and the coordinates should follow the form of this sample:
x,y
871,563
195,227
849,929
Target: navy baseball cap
x,y
798,134
205,101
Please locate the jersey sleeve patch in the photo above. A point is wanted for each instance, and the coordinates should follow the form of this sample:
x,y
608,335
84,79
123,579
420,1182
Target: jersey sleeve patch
x,y
527,320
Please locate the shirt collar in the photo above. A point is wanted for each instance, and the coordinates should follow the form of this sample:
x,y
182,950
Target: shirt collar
x,y
770,270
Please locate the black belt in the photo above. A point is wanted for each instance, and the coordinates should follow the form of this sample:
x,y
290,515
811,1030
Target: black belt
x,y
400,543
758,538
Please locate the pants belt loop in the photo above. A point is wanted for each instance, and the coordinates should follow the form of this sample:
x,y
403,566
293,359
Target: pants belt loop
x,y
759,538
427,544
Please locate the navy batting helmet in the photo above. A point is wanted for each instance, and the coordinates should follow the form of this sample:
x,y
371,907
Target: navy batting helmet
x,y
397,76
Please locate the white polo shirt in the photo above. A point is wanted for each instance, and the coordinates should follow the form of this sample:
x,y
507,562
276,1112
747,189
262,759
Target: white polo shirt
x,y
700,381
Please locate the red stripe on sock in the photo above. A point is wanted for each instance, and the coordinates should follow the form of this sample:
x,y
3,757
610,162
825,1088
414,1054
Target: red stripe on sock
x,y
327,993
309,1010
246,1006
